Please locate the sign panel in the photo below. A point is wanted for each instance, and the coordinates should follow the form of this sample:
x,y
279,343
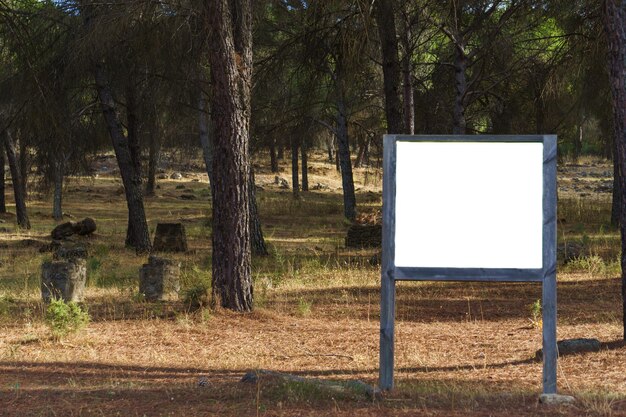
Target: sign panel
x,y
469,208
469,204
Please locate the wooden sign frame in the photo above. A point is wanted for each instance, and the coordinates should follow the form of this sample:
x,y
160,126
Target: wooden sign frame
x,y
546,274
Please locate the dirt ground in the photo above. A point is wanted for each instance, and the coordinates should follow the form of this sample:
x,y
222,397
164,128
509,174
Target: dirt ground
x,y
462,349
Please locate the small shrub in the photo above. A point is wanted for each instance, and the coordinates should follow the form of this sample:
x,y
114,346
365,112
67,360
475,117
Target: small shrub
x,y
535,314
64,318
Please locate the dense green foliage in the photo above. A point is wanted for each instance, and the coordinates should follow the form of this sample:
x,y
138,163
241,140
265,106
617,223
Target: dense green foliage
x,y
65,318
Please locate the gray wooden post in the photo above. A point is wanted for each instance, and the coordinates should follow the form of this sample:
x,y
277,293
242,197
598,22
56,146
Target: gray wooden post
x,y
388,283
549,266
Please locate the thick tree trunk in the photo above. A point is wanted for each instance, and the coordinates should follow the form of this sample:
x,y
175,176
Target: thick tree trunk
x,y
385,19
138,235
305,166
273,158
18,189
615,28
347,181
460,84
3,204
57,197
230,57
294,167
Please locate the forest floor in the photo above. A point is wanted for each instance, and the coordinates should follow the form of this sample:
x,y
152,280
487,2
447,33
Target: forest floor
x,y
462,349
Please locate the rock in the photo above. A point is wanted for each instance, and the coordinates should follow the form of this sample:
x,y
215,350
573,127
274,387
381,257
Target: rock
x,y
63,280
170,237
281,182
70,253
556,399
176,176
364,236
162,176
158,278
50,247
83,228
320,186
187,197
573,346
568,251
63,230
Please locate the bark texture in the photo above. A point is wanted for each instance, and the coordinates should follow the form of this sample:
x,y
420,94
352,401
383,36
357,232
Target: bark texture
x,y
259,247
385,19
18,189
460,84
347,179
57,198
615,28
138,235
229,23
294,167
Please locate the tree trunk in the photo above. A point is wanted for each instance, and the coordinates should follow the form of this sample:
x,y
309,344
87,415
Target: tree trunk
x,y
281,151
24,165
460,84
362,157
337,164
154,154
331,149
138,235
230,58
57,198
407,77
347,181
273,158
294,167
616,196
134,147
205,141
305,167
385,19
259,247
3,205
18,189
615,28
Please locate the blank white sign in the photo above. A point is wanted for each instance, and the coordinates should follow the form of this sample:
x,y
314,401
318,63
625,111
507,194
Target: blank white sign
x,y
469,204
